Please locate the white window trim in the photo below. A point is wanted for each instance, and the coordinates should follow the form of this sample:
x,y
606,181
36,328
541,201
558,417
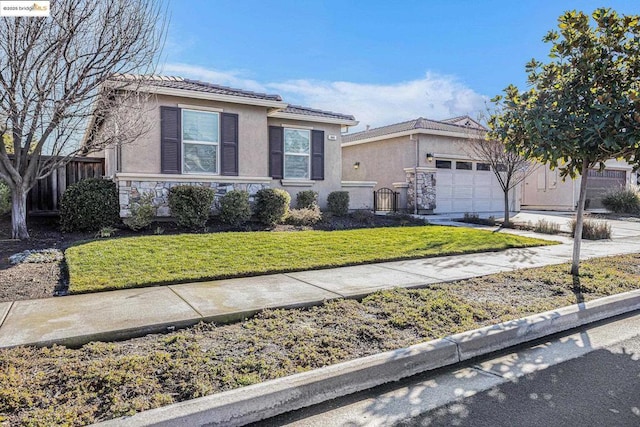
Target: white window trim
x,y
285,154
182,142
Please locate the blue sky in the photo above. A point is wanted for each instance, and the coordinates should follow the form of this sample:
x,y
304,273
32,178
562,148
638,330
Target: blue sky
x,y
382,61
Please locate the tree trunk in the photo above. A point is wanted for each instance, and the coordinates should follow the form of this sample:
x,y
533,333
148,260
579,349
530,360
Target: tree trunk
x,y
506,210
577,237
19,213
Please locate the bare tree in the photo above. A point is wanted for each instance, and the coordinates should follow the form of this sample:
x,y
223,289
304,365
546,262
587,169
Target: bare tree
x,y
57,87
509,167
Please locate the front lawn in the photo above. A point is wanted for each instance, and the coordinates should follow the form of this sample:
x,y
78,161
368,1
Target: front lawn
x,y
151,260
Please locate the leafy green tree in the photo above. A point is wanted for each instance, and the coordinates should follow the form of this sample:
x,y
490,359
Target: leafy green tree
x,y
583,106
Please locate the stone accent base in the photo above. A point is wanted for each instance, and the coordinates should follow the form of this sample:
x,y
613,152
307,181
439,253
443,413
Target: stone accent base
x,y
131,191
426,195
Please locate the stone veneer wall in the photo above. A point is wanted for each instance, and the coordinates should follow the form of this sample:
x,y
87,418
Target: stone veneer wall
x,y
426,197
131,191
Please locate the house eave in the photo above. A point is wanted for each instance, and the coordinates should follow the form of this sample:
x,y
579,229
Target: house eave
x,y
409,132
308,118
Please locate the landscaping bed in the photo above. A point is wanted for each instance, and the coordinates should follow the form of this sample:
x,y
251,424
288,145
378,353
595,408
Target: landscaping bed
x,y
150,260
55,386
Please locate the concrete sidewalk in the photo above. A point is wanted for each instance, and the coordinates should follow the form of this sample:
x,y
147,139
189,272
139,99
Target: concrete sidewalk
x,y
75,320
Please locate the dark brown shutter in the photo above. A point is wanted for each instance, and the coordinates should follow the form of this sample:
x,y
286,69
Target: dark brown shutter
x,y
317,155
229,144
170,135
276,152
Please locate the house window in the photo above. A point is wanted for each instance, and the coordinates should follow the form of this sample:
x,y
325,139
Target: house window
x,y
200,142
501,168
297,153
443,164
466,166
483,167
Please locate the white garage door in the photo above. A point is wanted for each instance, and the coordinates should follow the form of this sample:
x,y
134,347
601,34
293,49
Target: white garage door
x,y
467,191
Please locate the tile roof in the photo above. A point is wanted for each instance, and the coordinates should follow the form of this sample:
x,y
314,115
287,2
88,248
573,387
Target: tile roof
x,y
415,124
296,109
173,82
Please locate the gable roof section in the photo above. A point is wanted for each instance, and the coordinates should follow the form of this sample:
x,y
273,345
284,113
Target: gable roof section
x,y
297,112
199,86
419,125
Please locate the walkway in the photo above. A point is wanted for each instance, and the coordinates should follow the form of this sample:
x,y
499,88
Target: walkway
x,y
78,319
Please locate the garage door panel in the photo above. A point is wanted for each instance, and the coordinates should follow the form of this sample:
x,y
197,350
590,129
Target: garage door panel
x,y
467,191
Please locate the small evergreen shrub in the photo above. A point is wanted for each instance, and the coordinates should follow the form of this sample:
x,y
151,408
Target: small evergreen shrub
x,y
546,227
235,209
304,216
142,213
624,200
593,230
338,203
5,198
306,199
191,206
90,205
272,205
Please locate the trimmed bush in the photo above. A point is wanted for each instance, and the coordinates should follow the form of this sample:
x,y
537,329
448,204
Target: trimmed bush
x,y
235,208
338,203
474,218
142,213
89,205
306,199
272,205
191,206
5,198
625,200
304,216
593,230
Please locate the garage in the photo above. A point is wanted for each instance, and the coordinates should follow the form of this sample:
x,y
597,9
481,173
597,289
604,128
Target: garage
x,y
465,186
601,183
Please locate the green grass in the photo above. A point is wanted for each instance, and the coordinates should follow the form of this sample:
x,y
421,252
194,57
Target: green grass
x,y
150,260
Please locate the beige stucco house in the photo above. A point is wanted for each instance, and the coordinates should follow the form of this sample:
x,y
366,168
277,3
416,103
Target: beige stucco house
x,y
449,179
223,138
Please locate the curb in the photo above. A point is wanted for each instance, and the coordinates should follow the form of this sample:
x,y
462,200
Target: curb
x,y
264,400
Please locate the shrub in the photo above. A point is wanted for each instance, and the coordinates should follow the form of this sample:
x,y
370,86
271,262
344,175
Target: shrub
x,y
142,213
625,200
593,230
338,203
304,216
546,227
306,199
234,208
90,204
5,198
474,218
190,205
272,205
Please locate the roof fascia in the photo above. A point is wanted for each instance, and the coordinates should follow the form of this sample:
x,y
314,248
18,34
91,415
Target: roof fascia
x,y
308,118
409,132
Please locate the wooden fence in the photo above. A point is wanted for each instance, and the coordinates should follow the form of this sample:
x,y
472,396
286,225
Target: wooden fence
x,y
44,198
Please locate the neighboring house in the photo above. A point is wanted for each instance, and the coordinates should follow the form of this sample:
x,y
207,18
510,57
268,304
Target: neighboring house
x,y
545,190
223,138
449,179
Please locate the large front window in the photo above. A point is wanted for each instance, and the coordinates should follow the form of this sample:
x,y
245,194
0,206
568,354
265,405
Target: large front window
x,y
200,140
297,149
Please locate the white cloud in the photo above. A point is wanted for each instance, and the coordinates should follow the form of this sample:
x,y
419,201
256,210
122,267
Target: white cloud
x,y
432,96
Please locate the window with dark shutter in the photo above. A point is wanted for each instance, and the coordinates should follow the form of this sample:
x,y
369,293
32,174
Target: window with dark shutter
x,y
317,155
229,146
170,140
276,152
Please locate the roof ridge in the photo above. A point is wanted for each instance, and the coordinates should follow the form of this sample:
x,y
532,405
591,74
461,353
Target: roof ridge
x,y
217,86
317,110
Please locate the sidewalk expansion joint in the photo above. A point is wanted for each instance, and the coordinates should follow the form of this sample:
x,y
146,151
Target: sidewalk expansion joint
x,y
457,347
185,301
7,313
315,286
403,271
